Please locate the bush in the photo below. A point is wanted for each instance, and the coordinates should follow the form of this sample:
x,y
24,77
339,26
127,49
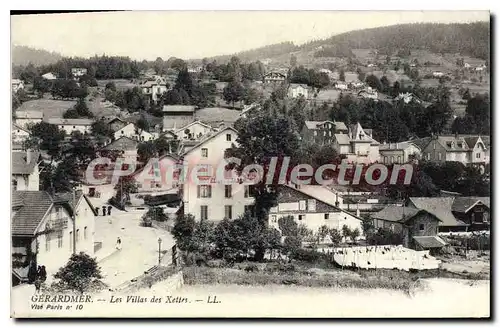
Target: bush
x,y
79,273
306,255
251,268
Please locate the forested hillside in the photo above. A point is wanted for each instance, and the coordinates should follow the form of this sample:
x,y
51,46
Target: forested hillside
x,y
22,55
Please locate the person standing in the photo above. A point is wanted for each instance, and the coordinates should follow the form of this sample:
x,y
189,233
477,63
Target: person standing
x,y
109,209
118,244
104,210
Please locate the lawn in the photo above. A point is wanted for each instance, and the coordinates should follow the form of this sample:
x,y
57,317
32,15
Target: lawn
x,y
50,108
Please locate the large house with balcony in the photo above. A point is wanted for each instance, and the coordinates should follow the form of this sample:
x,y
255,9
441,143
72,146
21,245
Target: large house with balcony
x,y
154,88
43,231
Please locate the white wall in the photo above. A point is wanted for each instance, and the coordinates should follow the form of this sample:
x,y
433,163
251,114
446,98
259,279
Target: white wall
x,y
29,182
194,129
55,257
216,210
146,181
23,122
70,128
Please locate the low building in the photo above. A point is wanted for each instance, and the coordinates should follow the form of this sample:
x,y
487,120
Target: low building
x,y
298,90
194,131
418,227
399,152
49,76
25,170
17,85
69,125
368,93
322,132
26,118
133,132
310,211
274,77
456,213
177,116
116,123
43,231
19,134
78,71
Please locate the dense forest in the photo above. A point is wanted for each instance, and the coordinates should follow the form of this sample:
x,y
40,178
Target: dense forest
x,y
467,39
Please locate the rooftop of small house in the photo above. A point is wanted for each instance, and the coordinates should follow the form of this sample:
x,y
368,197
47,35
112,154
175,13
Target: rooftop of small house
x,y
70,121
24,162
313,125
178,109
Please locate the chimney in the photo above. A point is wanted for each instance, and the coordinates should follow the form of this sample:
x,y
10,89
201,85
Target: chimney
x,y
28,156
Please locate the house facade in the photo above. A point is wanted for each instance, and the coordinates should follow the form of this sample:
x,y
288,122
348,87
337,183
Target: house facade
x,y
19,134
177,116
78,71
161,178
26,118
298,90
310,211
43,231
399,153
25,171
133,132
467,150
456,213
358,145
69,125
418,227
322,132
274,78
155,88
194,131
208,198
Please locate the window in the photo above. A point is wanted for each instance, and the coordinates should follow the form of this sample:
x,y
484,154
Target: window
x,y
60,240
249,191
228,211
228,137
47,242
85,233
428,156
122,131
204,191
302,205
73,126
434,145
273,219
77,235
204,212
478,155
439,156
71,240
311,205
327,216
228,191
204,152
486,217
399,159
421,227
301,216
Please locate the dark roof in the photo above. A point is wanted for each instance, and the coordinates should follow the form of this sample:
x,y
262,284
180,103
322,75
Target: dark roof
x,y
178,108
440,207
20,165
35,205
123,143
463,204
395,213
429,241
175,122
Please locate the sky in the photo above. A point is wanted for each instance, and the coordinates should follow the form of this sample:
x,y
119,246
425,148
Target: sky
x,y
197,34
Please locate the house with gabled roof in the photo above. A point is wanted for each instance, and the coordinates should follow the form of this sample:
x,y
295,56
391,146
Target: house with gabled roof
x,y
456,213
194,131
19,133
154,88
177,116
164,177
418,227
25,170
322,132
26,118
310,210
296,90
357,145
43,231
453,148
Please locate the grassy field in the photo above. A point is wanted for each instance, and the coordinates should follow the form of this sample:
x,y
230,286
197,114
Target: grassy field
x,y
50,108
121,84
